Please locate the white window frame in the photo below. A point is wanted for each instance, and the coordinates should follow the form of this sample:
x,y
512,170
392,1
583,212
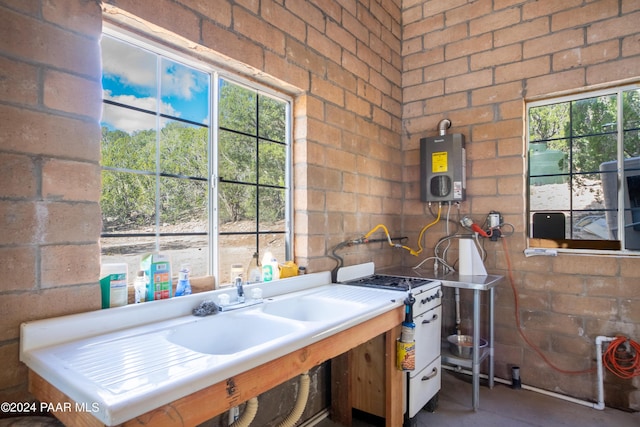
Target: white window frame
x,y
618,91
216,74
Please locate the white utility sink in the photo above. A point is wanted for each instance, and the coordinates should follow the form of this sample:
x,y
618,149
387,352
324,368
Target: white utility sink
x,y
313,308
134,359
229,333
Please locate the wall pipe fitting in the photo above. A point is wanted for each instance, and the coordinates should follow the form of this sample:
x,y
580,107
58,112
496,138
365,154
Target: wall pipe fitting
x,y
443,125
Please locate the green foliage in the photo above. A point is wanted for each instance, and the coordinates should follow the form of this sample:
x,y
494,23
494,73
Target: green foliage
x,y
586,130
129,180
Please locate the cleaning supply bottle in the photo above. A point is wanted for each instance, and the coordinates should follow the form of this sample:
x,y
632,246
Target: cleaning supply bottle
x,y
184,286
113,284
408,326
406,345
254,274
270,270
140,287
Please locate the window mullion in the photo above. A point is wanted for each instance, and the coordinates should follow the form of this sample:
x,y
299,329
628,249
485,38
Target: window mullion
x,y
158,136
621,173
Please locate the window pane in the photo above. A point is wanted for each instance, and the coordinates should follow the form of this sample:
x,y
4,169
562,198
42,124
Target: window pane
x,y
127,202
237,157
549,197
272,209
272,163
235,249
589,153
128,139
549,162
548,122
184,92
191,250
594,116
274,243
183,205
237,108
129,74
236,202
272,119
631,109
589,220
184,149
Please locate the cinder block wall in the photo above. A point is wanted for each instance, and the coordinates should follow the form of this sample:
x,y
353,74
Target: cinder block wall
x,y
340,61
476,63
49,169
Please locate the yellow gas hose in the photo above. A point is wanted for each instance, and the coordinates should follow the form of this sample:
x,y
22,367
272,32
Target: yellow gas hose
x,y
411,251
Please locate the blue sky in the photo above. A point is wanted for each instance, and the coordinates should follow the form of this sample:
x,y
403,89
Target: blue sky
x,y
130,76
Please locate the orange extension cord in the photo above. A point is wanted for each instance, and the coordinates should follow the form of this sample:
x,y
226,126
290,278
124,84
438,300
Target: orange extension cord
x,y
624,364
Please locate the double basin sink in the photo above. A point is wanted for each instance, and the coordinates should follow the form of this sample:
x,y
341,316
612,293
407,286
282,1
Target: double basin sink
x,y
274,320
128,369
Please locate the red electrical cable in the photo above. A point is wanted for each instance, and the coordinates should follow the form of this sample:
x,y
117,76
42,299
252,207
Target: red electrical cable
x,y
625,364
521,332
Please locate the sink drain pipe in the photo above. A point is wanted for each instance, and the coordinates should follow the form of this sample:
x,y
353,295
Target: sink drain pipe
x,y
250,411
301,402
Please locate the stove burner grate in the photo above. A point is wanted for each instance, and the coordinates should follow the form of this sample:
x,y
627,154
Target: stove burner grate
x,y
397,283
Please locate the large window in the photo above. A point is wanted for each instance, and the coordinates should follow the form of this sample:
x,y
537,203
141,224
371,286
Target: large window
x,y
584,170
194,165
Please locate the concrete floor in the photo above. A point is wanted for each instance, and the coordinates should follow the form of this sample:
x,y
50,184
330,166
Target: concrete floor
x,y
504,407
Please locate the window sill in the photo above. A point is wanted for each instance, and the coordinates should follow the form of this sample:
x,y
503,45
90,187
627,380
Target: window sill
x,y
583,247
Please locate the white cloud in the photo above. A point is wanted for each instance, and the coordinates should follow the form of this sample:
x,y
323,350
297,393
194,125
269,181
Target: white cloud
x,y
133,66
128,120
178,80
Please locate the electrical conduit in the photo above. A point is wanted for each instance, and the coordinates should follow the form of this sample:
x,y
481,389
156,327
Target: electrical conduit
x,y
599,340
301,402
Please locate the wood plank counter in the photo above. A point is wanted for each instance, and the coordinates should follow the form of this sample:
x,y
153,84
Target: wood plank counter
x,y
216,399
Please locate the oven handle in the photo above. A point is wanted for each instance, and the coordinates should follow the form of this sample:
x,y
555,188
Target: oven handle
x,y
434,318
433,374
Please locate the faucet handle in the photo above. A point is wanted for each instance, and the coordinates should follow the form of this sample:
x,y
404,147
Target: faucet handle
x,y
256,293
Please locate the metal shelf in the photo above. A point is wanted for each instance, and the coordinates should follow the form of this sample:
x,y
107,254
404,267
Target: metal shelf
x,y
451,359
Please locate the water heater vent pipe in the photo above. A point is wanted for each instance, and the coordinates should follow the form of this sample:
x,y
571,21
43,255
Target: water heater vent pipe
x,y
443,125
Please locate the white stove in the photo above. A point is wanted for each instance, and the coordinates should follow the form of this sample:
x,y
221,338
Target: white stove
x,y
423,383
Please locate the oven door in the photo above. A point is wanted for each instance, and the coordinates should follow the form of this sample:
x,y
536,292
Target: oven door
x,y
424,386
427,335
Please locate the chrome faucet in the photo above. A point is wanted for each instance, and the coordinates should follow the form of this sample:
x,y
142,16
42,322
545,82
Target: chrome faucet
x,y
240,289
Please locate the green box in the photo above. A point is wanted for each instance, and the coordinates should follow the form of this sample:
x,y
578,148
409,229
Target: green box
x,y
158,269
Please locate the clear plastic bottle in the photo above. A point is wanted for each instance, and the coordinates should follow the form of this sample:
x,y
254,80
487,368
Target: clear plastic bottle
x,y
184,285
254,274
140,287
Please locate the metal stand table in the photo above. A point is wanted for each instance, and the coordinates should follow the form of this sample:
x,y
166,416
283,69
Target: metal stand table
x,y
477,284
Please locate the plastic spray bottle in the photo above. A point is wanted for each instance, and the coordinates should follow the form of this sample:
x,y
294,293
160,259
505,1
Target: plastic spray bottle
x,y
184,286
140,287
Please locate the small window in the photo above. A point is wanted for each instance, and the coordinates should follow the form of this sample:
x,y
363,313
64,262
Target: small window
x,y
584,171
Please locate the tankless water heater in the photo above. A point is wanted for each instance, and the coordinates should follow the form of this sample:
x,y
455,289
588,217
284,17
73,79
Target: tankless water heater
x,y
443,168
